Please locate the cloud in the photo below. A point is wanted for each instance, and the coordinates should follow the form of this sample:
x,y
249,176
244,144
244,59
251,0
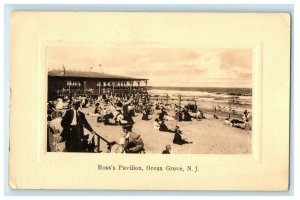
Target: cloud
x,y
247,76
172,55
164,66
164,70
241,58
179,72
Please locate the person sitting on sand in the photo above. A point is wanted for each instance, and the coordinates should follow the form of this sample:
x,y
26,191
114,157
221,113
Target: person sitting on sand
x,y
156,124
120,119
97,113
109,119
145,112
119,103
163,127
186,115
235,123
131,109
199,114
125,108
125,119
97,109
177,137
167,150
128,119
194,108
163,114
133,142
116,113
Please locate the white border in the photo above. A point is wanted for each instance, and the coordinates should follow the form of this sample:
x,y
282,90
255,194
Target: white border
x,y
296,79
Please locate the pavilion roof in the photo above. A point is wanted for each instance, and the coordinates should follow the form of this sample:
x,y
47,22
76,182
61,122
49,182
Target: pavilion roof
x,y
89,74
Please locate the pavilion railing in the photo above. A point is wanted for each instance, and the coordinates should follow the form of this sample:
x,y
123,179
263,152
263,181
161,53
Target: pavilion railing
x,y
116,91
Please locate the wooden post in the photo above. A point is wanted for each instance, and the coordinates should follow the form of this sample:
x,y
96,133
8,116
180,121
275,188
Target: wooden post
x,y
99,87
122,86
146,88
139,90
179,108
167,98
98,141
98,144
113,88
130,87
84,82
146,81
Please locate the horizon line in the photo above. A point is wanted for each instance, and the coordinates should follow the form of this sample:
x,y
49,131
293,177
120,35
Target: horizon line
x,y
198,86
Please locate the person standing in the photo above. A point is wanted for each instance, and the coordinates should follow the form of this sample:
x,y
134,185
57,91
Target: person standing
x,y
73,124
246,115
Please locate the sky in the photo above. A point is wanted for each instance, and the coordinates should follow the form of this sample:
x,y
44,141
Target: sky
x,y
162,65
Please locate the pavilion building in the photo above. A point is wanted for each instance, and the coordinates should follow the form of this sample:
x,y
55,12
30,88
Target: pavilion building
x,y
67,82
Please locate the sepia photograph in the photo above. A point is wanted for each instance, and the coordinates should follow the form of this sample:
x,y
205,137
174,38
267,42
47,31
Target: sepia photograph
x,y
145,98
149,101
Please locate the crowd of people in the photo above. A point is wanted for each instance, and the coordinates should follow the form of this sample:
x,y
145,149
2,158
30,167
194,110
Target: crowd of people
x,y
66,121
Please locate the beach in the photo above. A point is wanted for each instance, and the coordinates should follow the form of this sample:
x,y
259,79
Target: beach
x,y
209,136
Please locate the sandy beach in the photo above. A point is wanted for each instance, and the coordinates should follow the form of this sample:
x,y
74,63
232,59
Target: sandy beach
x,y
209,136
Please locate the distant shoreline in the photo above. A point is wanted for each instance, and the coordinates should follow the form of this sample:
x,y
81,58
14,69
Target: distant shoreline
x,y
217,90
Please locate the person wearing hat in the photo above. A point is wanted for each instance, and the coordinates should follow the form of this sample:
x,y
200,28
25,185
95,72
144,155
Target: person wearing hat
x,y
73,123
133,142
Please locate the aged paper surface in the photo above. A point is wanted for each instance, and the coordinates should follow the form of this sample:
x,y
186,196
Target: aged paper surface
x,y
264,167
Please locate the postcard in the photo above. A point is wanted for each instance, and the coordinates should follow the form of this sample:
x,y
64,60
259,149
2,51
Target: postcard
x,y
149,101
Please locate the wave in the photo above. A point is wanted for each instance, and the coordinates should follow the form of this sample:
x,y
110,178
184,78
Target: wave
x,y
211,96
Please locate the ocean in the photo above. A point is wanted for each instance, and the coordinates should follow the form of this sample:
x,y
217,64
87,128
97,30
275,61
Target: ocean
x,y
237,98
